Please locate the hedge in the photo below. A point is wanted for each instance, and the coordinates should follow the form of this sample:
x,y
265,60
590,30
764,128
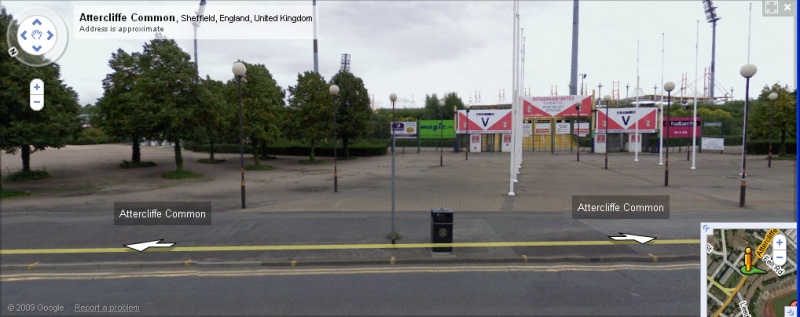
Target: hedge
x,y
294,148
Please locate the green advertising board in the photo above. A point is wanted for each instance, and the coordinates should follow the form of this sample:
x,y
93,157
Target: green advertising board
x,y
434,129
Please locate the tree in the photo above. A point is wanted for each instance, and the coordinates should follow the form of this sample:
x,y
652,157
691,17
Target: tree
x,y
353,109
782,113
121,111
21,128
311,108
214,113
262,106
434,112
169,84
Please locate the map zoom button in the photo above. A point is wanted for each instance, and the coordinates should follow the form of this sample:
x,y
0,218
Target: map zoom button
x,y
779,257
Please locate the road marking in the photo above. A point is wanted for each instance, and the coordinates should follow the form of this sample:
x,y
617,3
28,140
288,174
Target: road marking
x,y
655,258
294,263
30,266
187,263
391,261
343,271
347,246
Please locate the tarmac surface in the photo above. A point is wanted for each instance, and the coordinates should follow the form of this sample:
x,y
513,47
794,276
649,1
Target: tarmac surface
x,y
67,222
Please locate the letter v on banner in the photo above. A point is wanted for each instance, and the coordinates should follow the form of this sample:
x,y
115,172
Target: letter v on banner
x,y
485,122
626,119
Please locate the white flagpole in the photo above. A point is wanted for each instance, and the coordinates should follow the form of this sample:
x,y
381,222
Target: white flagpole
x,y
661,110
636,135
512,174
694,116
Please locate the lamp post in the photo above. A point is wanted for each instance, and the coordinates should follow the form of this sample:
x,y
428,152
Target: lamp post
x,y
583,76
393,98
239,71
577,129
469,137
627,90
668,86
607,98
441,132
747,71
599,89
772,97
334,90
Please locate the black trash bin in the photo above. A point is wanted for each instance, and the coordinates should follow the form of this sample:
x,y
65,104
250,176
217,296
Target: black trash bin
x,y
442,228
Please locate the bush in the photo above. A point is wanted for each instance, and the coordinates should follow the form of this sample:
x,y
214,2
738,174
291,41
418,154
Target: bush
x,y
92,135
25,176
12,193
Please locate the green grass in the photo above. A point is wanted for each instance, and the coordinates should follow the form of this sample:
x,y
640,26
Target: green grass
x,y
180,175
309,162
129,164
12,193
396,235
209,161
25,176
258,167
778,303
787,157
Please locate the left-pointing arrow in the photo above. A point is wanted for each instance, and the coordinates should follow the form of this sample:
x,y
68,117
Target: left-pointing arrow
x,y
23,35
141,246
638,238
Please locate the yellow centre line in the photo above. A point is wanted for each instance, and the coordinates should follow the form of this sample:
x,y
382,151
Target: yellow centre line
x,y
345,246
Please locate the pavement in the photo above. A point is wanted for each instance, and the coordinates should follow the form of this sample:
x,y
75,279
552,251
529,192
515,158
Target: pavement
x,y
294,218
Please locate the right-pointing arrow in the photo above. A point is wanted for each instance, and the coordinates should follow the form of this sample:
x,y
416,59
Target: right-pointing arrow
x,y
50,35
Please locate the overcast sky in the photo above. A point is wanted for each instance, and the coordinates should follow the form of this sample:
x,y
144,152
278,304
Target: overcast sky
x,y
414,48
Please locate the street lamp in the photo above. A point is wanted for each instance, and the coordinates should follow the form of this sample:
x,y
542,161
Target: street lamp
x,y
599,88
747,71
469,137
577,129
668,86
583,76
393,98
607,98
772,97
441,131
334,90
239,71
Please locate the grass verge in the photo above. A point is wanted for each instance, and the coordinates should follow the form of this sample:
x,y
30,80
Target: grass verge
x,y
25,176
180,175
12,193
129,164
258,167
210,161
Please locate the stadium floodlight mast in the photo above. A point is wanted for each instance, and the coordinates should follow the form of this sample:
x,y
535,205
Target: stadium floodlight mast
x,y
712,17
239,71
747,71
668,86
393,98
334,91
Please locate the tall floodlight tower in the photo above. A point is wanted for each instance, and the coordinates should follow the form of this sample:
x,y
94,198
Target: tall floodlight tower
x,y
712,17
345,66
314,16
573,74
196,25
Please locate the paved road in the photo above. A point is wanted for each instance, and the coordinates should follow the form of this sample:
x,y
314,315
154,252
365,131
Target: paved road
x,y
66,231
599,290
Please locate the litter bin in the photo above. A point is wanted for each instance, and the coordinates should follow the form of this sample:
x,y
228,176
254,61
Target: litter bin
x,y
442,228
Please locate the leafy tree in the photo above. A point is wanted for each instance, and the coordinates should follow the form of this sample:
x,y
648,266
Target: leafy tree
x,y
432,109
121,111
434,112
262,106
169,84
782,113
21,128
353,109
311,108
214,114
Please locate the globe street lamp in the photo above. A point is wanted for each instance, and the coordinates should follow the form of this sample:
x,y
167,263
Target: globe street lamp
x,y
747,71
239,71
772,97
441,131
607,98
393,98
668,86
334,90
577,128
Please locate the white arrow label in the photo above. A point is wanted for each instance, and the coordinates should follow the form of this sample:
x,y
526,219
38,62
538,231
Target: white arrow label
x,y
638,238
141,246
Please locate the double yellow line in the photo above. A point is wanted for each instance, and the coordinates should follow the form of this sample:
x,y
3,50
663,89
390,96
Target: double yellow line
x,y
241,248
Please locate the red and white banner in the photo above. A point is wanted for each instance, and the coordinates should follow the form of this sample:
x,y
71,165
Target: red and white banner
x,y
485,121
681,127
556,106
623,120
